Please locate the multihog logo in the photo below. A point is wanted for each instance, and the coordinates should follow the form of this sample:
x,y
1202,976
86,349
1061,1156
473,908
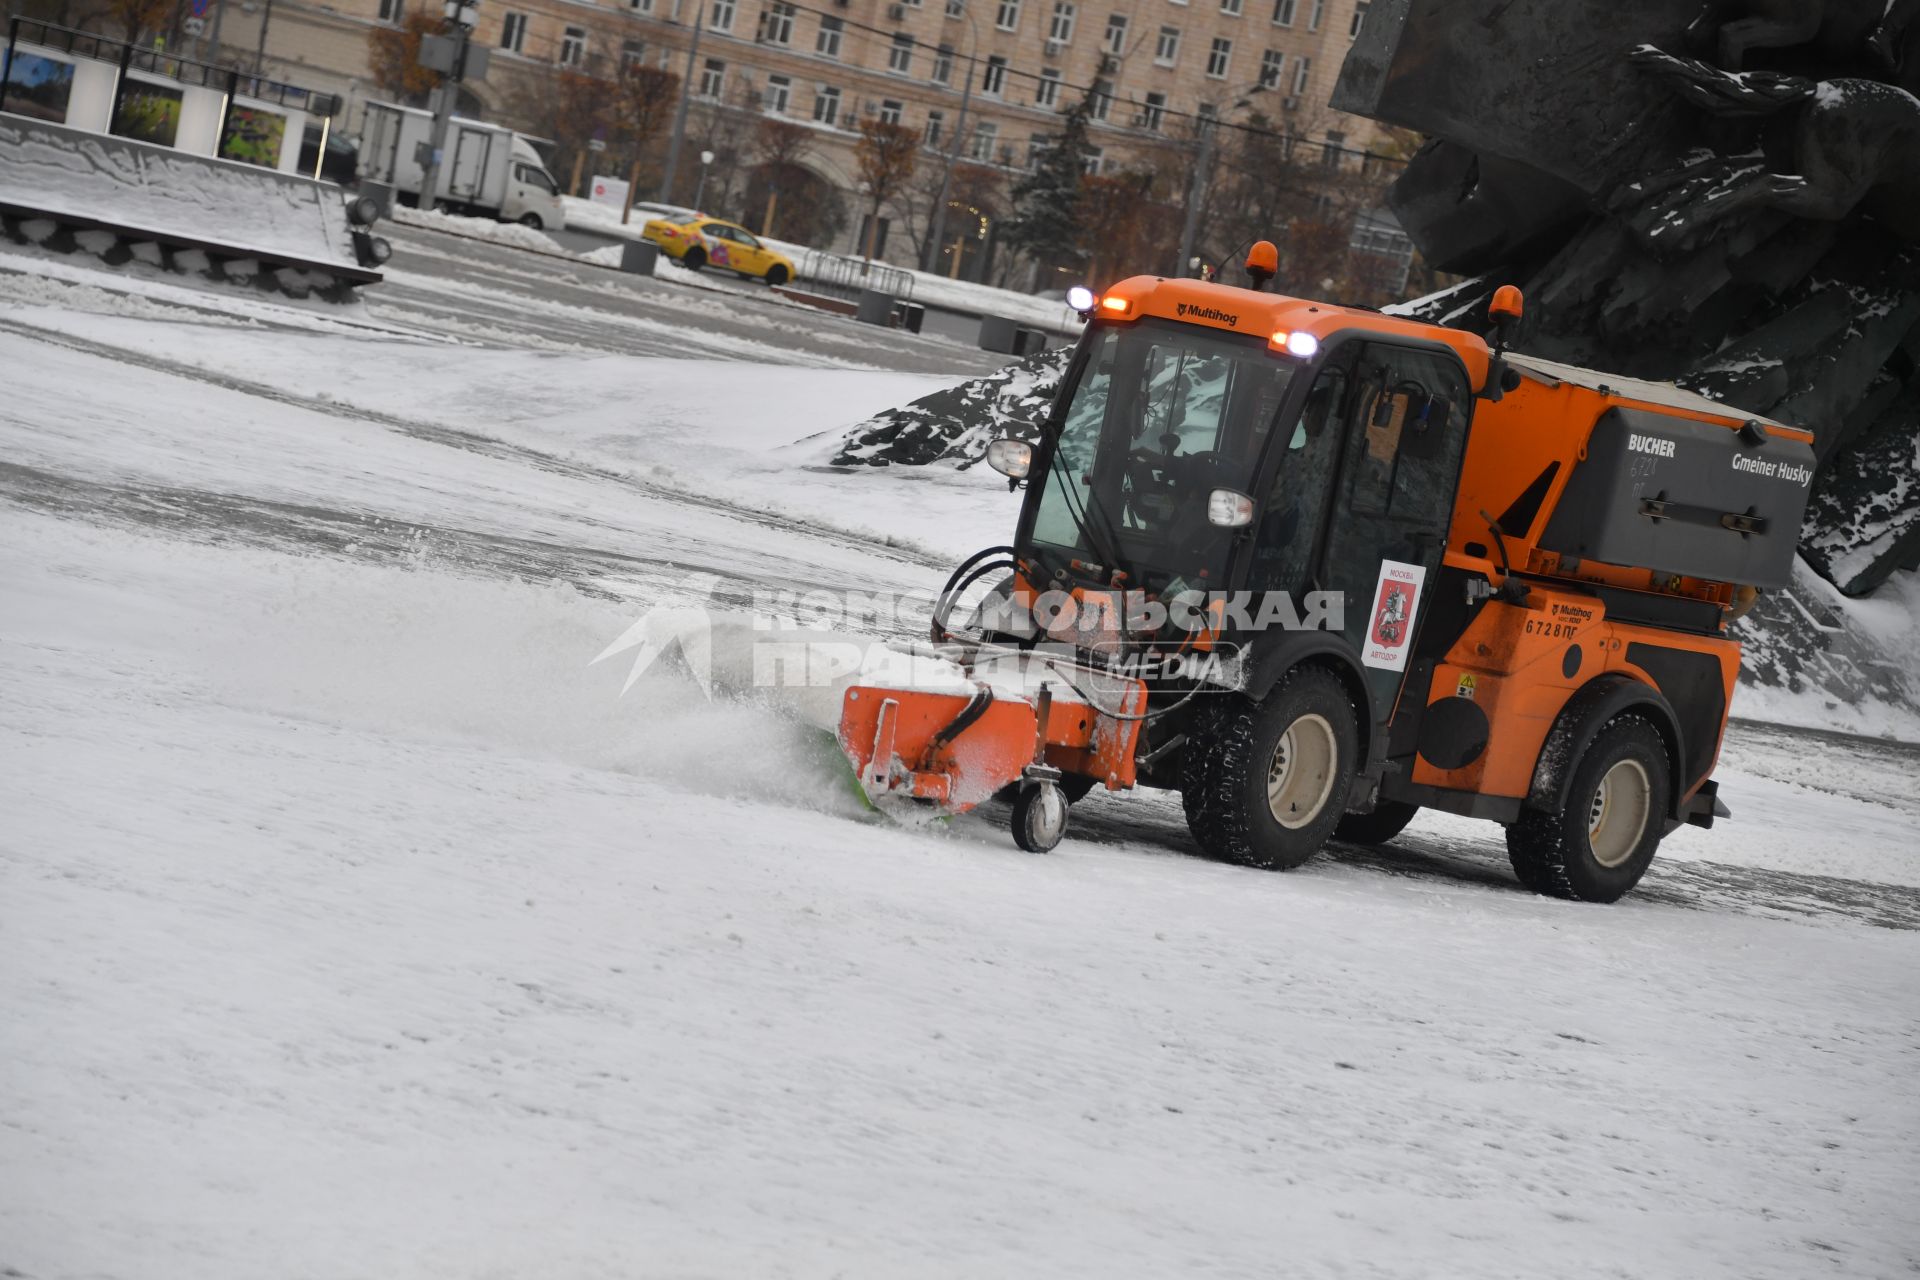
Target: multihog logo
x,y
1208,313
1637,443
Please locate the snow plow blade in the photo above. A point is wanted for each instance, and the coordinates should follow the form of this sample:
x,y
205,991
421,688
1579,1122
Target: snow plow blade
x,y
1020,720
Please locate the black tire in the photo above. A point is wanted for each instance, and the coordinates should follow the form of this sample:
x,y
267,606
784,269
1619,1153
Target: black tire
x,y
1234,757
1037,828
1388,819
776,275
532,220
694,260
1554,853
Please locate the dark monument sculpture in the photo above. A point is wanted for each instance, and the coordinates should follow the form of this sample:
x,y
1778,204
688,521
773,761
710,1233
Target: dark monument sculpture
x,y
1727,196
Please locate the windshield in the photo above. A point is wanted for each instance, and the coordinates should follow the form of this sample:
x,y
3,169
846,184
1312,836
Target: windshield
x,y
1162,415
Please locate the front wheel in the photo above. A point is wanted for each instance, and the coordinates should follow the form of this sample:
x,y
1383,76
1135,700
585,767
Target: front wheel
x,y
1265,783
776,275
1598,844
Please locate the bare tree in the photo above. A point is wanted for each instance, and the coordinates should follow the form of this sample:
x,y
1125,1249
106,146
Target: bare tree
x,y
393,54
777,148
643,102
884,158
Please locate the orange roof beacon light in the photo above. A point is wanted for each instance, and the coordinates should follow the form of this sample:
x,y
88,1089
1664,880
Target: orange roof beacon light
x,y
1118,306
1504,312
1263,263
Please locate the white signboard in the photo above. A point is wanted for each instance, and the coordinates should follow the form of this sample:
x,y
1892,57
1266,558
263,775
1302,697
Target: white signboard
x,y
1390,616
606,190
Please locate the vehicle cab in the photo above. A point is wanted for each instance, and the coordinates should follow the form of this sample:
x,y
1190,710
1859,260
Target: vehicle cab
x,y
533,197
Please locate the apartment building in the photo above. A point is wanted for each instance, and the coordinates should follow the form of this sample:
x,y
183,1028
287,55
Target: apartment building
x,y
1153,68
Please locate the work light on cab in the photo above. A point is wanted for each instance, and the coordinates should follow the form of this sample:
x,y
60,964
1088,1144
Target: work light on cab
x,y
1011,458
1081,299
1303,345
1229,509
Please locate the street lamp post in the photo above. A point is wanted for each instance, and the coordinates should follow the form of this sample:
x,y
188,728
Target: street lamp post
x,y
462,16
939,229
680,111
700,192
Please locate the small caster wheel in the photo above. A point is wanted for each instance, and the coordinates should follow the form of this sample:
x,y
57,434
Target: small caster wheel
x,y
1039,817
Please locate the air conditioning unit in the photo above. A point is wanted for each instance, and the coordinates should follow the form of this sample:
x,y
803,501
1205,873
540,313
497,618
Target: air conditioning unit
x,y
1053,48
1290,104
896,13
1109,63
1140,119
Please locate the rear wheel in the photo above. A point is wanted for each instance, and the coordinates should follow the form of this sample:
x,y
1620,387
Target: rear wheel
x,y
695,259
776,275
1266,782
1598,845
1388,819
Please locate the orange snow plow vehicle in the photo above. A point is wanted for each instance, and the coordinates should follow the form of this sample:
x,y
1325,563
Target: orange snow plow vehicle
x,y
1316,567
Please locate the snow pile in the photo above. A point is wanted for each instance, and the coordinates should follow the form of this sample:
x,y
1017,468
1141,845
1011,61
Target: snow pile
x,y
957,424
488,229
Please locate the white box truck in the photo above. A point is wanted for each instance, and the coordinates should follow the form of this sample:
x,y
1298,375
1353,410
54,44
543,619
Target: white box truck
x,y
486,171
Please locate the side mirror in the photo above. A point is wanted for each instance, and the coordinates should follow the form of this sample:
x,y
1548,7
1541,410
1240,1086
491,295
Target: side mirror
x,y
1011,458
1229,509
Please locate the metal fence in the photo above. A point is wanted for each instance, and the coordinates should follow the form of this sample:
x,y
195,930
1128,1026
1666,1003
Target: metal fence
x,y
846,277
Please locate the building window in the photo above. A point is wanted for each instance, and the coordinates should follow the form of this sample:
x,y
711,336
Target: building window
x,y
956,8
1319,12
889,111
640,6
1035,145
900,53
390,10
943,64
1092,160
573,46
994,78
1302,67
1270,64
1060,30
780,24
1283,11
1007,16
1166,51
936,121
1359,17
1230,7
1155,113
827,43
826,104
1335,148
1047,92
1219,58
985,134
633,55
1117,33
720,15
779,94
1100,101
713,79
513,33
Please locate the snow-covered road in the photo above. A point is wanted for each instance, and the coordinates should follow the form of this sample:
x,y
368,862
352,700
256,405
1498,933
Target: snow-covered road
x,y
352,925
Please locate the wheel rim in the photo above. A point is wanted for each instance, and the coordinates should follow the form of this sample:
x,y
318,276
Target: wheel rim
x,y
1617,815
1301,776
1047,817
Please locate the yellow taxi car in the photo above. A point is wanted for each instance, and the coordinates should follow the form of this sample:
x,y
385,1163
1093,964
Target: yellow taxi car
x,y
698,241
